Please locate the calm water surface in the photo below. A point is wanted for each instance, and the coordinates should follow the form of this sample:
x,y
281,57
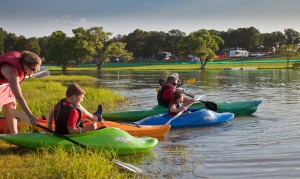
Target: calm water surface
x,y
264,145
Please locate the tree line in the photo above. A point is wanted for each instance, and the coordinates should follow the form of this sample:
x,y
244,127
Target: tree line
x,y
96,46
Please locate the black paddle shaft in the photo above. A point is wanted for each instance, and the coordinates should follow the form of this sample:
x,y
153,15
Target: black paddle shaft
x,y
60,135
210,105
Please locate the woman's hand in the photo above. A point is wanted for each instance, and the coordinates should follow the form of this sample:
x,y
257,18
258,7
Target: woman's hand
x,y
33,120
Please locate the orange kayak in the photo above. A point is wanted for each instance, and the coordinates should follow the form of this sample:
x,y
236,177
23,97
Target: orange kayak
x,y
5,129
133,129
138,130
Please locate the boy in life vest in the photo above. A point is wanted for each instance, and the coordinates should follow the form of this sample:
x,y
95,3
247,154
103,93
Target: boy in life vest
x,y
14,66
68,112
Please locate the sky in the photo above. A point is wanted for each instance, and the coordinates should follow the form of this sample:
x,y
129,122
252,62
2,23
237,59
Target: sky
x,y
39,18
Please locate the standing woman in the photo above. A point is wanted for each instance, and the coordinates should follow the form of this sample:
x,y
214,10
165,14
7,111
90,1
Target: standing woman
x,y
14,66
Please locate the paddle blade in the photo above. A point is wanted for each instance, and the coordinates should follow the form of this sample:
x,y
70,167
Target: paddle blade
x,y
40,74
191,81
128,166
157,90
22,116
210,105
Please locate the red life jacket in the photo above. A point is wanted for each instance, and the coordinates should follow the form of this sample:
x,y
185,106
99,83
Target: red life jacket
x,y
161,101
12,58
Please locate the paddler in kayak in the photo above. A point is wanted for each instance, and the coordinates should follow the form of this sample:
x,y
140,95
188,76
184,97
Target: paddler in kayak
x,y
164,95
176,104
68,112
14,66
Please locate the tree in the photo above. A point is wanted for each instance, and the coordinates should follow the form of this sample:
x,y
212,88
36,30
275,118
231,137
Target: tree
x,y
10,42
154,42
43,43
60,49
204,45
21,43
2,34
136,43
32,45
292,36
174,38
289,51
113,50
89,43
272,41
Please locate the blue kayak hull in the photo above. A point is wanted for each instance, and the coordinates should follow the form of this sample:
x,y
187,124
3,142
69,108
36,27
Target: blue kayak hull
x,y
196,118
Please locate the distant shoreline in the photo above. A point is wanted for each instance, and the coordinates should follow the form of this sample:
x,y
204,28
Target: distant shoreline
x,y
186,65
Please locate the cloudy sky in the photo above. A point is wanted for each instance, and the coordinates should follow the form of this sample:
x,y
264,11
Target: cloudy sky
x,y
38,18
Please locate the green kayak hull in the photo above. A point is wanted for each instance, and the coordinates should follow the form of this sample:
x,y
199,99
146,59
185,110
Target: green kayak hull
x,y
236,107
108,139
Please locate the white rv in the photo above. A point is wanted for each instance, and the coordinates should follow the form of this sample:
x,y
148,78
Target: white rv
x,y
238,53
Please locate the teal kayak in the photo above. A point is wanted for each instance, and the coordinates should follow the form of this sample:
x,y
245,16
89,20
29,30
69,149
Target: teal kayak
x,y
235,107
108,139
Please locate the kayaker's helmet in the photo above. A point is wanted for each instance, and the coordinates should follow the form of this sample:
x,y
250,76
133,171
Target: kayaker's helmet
x,y
176,75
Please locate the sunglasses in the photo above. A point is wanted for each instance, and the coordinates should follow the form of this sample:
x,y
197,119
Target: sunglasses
x,y
31,68
175,84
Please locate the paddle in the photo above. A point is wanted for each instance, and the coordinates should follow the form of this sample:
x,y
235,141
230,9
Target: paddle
x,y
44,72
24,118
178,114
210,105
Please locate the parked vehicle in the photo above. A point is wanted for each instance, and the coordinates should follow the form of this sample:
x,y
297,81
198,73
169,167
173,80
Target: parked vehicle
x,y
256,54
163,56
195,59
238,53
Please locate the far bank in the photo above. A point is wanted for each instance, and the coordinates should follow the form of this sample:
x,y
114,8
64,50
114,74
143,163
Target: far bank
x,y
184,65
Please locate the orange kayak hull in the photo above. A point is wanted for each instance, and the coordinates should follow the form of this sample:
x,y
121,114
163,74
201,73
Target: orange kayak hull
x,y
133,129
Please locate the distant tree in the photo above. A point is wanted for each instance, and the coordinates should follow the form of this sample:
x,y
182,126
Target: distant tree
x,y
32,45
43,43
10,42
292,36
2,34
289,51
154,42
113,50
278,38
204,45
118,38
246,38
89,43
60,49
136,43
21,43
173,41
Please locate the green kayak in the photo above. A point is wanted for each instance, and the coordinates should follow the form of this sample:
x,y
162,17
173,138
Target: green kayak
x,y
109,139
236,107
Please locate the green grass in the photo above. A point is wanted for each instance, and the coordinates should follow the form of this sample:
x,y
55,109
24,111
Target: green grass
x,y
44,163
43,93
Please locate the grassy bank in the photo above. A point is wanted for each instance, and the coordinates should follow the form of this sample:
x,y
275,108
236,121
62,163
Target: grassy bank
x,y
41,95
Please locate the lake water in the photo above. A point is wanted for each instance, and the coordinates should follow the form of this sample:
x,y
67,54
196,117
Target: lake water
x,y
263,145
